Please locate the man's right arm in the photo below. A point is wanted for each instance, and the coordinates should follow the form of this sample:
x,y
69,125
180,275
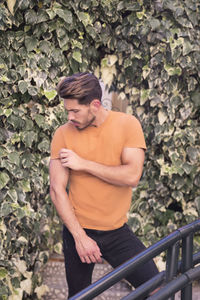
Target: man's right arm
x,y
86,247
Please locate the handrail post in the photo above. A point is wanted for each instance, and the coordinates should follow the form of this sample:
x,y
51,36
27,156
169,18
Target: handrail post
x,y
187,263
172,263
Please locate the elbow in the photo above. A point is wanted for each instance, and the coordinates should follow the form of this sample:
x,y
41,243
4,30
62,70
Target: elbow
x,y
133,181
135,184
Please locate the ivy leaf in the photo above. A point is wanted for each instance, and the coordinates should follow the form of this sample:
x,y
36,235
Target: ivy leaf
x,y
31,17
50,95
173,70
33,91
4,78
25,185
45,46
3,273
40,120
29,137
5,209
187,47
162,117
30,43
64,14
85,18
14,158
23,86
12,194
77,56
4,178
8,112
154,23
44,146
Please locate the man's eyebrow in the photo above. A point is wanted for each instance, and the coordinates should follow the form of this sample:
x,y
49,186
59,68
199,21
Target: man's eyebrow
x,y
75,109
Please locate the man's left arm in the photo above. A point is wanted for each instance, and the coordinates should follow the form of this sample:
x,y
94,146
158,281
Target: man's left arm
x,y
126,174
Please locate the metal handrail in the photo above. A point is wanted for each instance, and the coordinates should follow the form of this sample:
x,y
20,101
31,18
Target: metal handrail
x,y
175,285
170,243
145,288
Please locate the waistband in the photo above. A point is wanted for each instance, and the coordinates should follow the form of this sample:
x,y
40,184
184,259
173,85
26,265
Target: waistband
x,y
100,232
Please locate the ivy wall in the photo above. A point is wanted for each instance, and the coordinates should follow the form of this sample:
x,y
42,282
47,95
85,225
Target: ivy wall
x,y
148,51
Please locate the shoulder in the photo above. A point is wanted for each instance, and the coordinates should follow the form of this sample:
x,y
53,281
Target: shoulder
x,y
63,129
125,119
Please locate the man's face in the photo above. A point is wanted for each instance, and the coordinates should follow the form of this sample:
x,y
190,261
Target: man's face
x,y
81,116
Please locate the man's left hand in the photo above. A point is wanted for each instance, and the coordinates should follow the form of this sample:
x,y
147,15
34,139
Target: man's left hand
x,y
70,159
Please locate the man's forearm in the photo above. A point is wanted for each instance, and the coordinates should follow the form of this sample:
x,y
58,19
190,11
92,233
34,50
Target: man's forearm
x,y
121,175
86,247
66,212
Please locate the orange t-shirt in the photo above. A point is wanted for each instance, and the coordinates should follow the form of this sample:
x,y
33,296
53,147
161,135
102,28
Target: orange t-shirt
x,y
98,204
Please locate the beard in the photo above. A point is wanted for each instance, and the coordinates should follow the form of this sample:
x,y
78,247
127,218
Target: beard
x,y
89,123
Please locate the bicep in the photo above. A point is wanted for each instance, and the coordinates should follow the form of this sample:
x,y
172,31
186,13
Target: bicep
x,y
134,157
59,175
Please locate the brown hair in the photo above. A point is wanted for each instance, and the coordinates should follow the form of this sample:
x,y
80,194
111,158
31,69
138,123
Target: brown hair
x,y
83,87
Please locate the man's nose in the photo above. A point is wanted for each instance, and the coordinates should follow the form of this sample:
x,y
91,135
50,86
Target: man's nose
x,y
70,116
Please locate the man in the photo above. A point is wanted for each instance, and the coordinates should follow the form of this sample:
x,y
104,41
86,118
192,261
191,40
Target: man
x,y
99,154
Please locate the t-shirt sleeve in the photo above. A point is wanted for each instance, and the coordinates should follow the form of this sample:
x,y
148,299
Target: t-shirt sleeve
x,y
57,144
134,136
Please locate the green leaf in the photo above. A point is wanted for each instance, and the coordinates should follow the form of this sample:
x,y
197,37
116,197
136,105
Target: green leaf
x,y
173,70
29,137
187,47
50,95
154,23
51,13
33,91
85,18
193,153
144,96
12,194
4,178
44,146
162,117
42,16
25,185
45,47
8,112
14,158
5,209
23,86
31,17
77,56
30,43
27,160
4,78
3,273
64,14
40,120
187,168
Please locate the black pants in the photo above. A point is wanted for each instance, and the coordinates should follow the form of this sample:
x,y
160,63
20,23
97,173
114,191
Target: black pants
x,y
117,246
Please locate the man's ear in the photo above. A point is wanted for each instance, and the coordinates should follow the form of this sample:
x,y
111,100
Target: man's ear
x,y
96,104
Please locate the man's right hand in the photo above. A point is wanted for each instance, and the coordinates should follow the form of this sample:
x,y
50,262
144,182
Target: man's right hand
x,y
88,250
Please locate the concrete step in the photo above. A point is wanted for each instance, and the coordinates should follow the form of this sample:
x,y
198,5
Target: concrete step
x,y
54,278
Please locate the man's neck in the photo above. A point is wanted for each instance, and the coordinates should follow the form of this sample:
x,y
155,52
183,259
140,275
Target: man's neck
x,y
100,117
